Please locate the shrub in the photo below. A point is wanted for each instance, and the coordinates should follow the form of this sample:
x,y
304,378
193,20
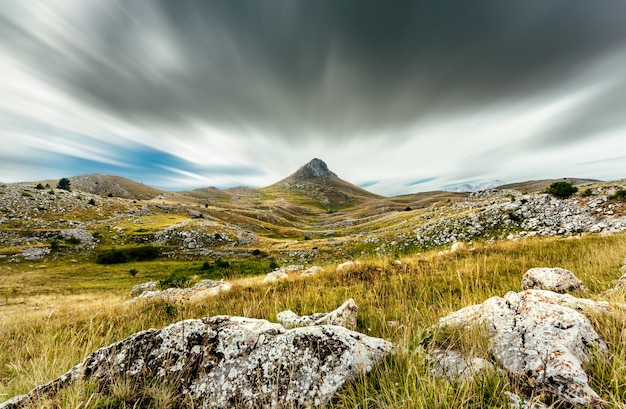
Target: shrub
x,y
562,189
619,195
273,264
54,245
115,256
586,193
133,272
72,240
91,202
39,186
64,183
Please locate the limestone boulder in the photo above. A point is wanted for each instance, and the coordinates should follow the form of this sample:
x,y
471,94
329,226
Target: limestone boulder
x,y
276,275
542,337
344,316
312,271
558,280
347,265
224,361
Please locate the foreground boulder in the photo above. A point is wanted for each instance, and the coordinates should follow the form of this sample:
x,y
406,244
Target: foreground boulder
x,y
558,280
344,316
223,361
538,336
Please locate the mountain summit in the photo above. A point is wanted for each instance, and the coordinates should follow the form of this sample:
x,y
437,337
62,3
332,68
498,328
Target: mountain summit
x,y
315,169
315,181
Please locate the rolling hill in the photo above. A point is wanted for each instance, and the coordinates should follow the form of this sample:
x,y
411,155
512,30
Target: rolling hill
x,y
104,185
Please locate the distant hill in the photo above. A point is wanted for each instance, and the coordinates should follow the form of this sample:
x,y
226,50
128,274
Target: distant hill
x,y
318,183
540,185
467,187
105,185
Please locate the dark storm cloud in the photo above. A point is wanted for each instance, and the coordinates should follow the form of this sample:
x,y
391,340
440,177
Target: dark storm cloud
x,y
329,67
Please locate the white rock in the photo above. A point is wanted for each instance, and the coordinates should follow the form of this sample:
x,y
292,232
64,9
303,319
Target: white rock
x,y
347,265
206,288
276,275
217,361
141,288
552,279
459,245
312,271
534,334
344,316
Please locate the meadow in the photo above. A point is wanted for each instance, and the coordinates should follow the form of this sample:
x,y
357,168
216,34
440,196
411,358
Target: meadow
x,y
53,314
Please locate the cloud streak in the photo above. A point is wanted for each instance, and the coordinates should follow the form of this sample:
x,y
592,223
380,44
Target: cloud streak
x,y
416,88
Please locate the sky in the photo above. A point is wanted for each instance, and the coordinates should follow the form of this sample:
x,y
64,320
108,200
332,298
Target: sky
x,y
395,96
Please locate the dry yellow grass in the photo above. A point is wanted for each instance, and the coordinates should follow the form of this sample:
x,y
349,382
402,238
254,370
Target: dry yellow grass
x,y
39,347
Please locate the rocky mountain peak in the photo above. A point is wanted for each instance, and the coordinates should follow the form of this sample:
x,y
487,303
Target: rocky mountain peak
x,y
315,169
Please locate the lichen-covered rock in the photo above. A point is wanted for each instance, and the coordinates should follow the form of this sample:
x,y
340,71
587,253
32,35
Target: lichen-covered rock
x,y
453,366
223,361
344,316
557,279
541,336
312,271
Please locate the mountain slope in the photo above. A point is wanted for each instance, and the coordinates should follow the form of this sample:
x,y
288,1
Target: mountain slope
x,y
541,185
105,185
314,181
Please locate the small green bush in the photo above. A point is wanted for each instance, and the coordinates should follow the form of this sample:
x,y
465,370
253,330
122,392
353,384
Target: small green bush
x,y
619,195
39,186
116,256
586,193
133,272
562,189
72,240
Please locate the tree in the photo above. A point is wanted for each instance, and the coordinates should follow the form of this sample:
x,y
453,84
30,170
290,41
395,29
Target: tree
x,y
64,184
562,189
39,186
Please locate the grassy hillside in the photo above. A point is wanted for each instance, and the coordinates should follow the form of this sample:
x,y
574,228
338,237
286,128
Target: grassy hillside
x,y
54,314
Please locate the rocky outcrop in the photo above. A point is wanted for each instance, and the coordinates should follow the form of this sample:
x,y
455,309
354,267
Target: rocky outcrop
x,y
203,289
558,280
344,316
223,361
538,336
143,287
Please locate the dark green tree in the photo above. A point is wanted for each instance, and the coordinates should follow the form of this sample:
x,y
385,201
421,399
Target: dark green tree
x,y
64,184
562,189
